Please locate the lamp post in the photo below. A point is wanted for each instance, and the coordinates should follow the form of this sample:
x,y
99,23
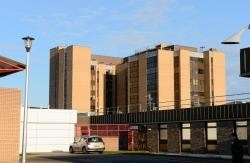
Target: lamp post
x,y
235,39
244,53
27,43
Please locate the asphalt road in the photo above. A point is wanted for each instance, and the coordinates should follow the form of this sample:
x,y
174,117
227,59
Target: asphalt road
x,y
115,158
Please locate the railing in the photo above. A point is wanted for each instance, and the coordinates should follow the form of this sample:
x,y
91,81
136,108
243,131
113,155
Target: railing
x,y
209,113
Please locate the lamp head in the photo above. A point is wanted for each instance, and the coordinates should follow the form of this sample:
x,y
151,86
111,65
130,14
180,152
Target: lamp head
x,y
28,42
235,39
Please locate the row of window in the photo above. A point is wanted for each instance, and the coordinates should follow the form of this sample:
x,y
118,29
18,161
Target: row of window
x,y
151,62
241,129
211,135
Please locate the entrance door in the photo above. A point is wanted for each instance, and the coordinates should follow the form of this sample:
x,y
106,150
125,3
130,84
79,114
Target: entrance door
x,y
123,140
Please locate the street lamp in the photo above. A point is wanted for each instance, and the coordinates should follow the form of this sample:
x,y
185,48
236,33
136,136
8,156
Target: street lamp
x,y
235,39
27,43
244,53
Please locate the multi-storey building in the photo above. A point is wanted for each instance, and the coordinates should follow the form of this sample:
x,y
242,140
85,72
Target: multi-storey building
x,y
81,80
167,77
162,77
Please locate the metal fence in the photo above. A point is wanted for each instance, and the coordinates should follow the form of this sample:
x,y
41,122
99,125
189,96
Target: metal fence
x,y
210,113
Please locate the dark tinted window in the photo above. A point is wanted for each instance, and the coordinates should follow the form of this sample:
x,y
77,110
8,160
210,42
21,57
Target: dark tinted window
x,y
95,139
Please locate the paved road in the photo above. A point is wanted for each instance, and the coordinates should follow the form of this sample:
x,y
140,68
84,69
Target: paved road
x,y
115,158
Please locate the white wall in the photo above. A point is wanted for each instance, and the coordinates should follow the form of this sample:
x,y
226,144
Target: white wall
x,y
49,129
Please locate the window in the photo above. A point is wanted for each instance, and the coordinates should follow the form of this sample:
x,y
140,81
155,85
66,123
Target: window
x,y
186,136
211,137
241,129
200,71
92,67
163,138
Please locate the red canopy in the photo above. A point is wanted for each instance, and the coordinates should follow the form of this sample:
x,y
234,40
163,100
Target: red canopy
x,y
8,66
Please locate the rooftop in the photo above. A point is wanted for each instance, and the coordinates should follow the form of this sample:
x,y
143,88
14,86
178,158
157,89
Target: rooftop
x,y
9,66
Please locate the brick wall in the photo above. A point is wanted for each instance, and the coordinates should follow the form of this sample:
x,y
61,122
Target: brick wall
x,y
111,143
174,137
198,137
224,131
153,138
9,124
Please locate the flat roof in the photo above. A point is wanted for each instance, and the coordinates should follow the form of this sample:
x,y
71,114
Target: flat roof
x,y
106,59
9,66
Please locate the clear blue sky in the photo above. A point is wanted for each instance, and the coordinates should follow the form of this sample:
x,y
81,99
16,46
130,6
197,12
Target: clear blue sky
x,y
118,28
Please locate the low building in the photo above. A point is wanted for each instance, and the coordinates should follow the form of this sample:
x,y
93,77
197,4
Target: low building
x,y
49,130
10,103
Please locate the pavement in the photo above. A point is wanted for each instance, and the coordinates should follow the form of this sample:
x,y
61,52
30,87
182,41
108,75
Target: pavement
x,y
245,157
120,157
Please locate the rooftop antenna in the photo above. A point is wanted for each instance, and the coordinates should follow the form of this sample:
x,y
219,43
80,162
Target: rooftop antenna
x,y
202,49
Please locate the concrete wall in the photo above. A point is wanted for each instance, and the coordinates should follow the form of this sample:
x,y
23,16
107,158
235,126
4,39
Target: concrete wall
x,y
214,69
184,79
80,76
49,129
10,102
165,79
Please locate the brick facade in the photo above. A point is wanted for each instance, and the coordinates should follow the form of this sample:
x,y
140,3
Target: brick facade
x,y
174,138
198,137
111,143
9,124
224,131
153,138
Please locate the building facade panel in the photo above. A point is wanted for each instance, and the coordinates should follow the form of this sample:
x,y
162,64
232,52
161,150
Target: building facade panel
x,y
10,102
122,94
184,78
142,82
215,83
81,83
165,79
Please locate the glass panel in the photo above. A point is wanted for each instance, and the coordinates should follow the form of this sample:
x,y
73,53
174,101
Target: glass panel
x,y
186,125
164,134
186,134
212,134
95,139
164,126
242,133
211,124
241,123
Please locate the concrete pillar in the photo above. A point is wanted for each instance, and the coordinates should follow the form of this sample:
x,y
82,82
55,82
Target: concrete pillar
x,y
174,137
198,137
132,140
153,138
224,131
135,140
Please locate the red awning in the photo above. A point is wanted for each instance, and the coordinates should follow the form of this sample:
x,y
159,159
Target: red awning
x,y
8,66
